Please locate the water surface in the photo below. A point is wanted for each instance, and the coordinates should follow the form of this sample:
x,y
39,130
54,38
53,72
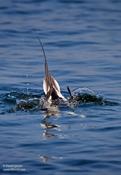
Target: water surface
x,y
82,40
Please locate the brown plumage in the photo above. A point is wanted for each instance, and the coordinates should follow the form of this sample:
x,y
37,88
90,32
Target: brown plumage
x,y
50,85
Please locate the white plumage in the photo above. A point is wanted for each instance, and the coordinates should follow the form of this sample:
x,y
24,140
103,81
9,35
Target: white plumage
x,y
50,85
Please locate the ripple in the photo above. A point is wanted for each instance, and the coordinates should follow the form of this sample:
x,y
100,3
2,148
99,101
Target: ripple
x,y
83,49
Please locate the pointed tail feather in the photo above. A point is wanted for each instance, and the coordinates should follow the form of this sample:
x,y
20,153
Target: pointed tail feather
x,y
50,85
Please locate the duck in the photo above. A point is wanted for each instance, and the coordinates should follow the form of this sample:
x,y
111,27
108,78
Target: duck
x,y
51,86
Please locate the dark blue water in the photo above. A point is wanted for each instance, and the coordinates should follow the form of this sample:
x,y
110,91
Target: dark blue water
x,y
82,40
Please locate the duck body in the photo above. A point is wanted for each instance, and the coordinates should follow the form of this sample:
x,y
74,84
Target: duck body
x,y
51,87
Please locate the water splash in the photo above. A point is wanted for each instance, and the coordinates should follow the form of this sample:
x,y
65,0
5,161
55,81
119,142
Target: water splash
x,y
21,100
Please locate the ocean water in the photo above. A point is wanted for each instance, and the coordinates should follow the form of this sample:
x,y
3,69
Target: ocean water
x,y
82,41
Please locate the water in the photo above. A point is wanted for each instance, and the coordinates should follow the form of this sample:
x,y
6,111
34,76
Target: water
x,y
82,41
